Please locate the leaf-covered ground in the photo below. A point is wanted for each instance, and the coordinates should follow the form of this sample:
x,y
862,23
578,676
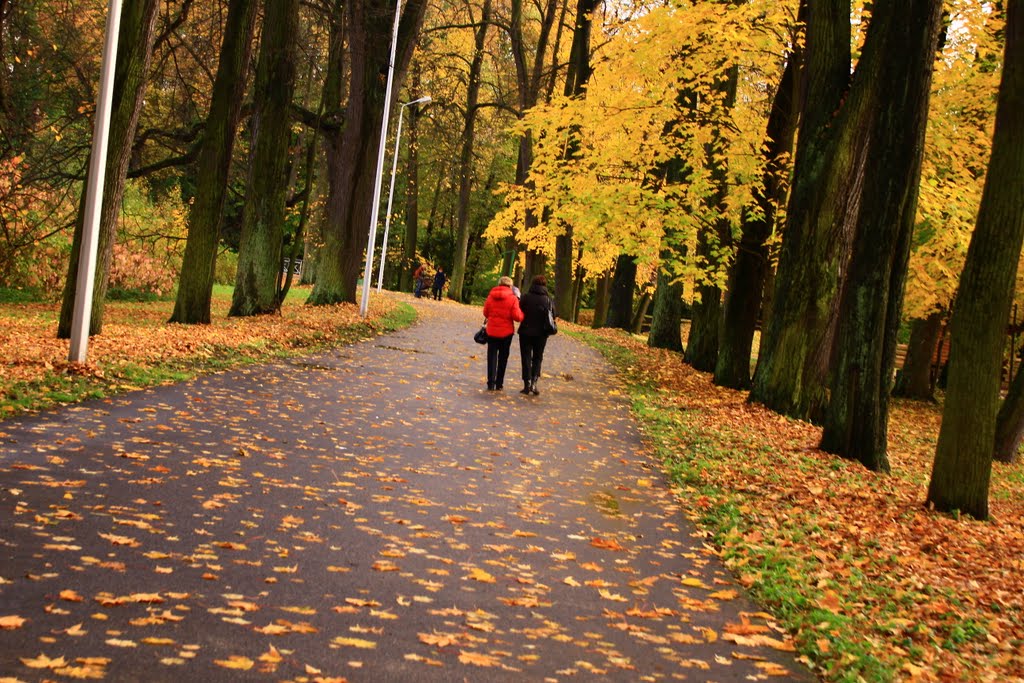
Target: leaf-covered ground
x,y
875,585
138,347
367,513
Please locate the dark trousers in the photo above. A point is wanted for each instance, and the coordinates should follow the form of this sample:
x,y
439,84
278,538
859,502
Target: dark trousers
x,y
532,351
497,359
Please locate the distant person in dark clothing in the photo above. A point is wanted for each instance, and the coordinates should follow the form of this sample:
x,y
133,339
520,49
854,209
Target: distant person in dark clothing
x,y
534,332
439,279
502,312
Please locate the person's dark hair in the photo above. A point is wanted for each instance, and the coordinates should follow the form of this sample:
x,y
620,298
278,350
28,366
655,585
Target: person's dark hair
x,y
540,280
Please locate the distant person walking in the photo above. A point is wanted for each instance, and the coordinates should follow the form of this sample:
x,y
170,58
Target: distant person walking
x,y
418,280
502,312
439,280
534,332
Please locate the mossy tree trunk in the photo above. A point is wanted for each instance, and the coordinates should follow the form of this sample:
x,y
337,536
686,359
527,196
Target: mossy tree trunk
x,y
260,247
352,157
667,316
895,70
963,457
134,52
795,343
751,265
195,283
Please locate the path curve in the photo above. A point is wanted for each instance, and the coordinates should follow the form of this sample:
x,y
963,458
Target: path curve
x,y
369,514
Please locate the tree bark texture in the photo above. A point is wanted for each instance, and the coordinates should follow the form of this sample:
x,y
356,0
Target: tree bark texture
x,y
620,298
915,378
412,191
466,175
575,86
706,325
353,164
963,457
795,343
1010,422
602,295
134,52
896,68
260,248
195,283
747,277
667,317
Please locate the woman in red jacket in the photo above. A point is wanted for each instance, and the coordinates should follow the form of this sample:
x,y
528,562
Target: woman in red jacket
x,y
501,310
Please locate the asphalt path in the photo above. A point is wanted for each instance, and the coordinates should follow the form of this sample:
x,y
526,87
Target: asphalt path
x,y
367,514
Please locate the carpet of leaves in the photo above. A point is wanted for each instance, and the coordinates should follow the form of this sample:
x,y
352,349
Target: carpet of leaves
x,y
136,334
872,574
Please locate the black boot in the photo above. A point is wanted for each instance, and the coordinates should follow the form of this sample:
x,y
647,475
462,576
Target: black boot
x,y
533,387
526,387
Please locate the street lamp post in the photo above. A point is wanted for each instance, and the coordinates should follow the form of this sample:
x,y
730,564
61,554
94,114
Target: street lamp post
x,y
391,188
82,310
364,303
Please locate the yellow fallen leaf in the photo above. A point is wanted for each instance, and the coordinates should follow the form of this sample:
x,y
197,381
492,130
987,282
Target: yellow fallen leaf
x,y
478,659
237,662
478,574
695,583
11,622
43,662
118,642
569,581
354,642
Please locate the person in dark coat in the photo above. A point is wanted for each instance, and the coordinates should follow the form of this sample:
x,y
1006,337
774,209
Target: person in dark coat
x,y
533,332
439,279
502,312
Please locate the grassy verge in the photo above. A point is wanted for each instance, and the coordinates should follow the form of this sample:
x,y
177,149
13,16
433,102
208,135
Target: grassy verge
x,y
872,586
141,350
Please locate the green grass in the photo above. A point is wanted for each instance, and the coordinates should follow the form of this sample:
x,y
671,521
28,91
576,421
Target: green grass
x,y
690,451
10,295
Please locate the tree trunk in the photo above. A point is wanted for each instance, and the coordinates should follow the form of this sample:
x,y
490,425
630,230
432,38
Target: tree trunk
x,y
963,457
412,191
896,71
354,162
259,251
575,86
1010,422
795,343
706,326
602,298
134,51
620,299
640,314
195,282
702,342
747,277
667,318
466,174
915,378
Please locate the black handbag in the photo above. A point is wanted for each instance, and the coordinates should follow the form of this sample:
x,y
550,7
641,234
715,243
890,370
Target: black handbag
x,y
481,335
550,327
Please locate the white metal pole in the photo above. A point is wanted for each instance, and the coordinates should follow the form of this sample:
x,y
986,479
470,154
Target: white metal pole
x,y
364,304
391,195
391,189
82,312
